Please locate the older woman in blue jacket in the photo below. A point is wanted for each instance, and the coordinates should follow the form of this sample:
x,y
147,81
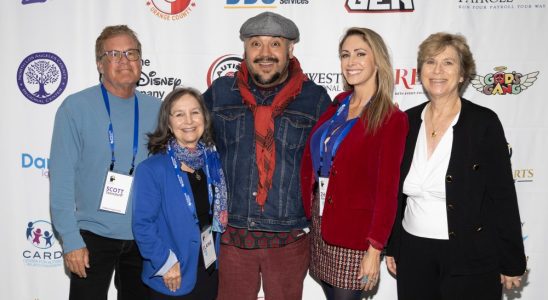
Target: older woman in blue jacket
x,y
179,198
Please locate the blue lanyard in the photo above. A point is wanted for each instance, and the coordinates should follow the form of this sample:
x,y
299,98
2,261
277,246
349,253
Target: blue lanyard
x,y
189,199
339,138
111,130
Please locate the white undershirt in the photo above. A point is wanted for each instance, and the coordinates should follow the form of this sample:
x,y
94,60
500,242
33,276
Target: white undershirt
x,y
426,213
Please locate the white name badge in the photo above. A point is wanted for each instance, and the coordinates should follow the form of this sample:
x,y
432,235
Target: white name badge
x,y
322,189
116,192
208,247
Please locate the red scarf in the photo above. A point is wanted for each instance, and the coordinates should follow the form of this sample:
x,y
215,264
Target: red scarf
x,y
264,115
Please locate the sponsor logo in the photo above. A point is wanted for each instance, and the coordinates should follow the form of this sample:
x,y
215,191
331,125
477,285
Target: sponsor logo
x,y
521,175
24,2
44,250
226,65
379,6
503,83
406,82
28,161
153,84
42,77
499,4
235,4
332,82
171,10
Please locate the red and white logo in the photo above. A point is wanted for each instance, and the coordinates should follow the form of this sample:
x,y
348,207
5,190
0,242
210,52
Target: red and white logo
x,y
226,65
171,9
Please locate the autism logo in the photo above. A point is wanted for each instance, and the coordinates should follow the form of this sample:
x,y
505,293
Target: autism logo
x,y
45,251
226,65
379,6
42,77
503,83
171,9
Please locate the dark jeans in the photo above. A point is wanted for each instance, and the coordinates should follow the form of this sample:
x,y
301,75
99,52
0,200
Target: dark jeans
x,y
107,255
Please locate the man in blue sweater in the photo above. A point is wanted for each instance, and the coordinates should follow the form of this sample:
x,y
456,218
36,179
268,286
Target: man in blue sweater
x,y
98,137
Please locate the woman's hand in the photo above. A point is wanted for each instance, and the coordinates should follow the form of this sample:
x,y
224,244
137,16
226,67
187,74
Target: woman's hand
x,y
172,278
510,282
370,268
391,264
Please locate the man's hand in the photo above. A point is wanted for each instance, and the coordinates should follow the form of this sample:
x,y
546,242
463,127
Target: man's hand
x,y
77,261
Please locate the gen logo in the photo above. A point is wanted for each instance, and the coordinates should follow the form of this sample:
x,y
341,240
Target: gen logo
x,y
376,6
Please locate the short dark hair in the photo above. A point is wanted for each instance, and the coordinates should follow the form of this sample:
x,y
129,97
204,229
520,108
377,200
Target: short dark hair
x,y
157,140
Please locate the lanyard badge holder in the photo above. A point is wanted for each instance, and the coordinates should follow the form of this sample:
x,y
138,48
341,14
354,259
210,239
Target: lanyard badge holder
x,y
115,196
206,236
323,172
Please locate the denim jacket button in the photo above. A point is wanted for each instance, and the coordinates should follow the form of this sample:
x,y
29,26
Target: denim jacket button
x,y
254,194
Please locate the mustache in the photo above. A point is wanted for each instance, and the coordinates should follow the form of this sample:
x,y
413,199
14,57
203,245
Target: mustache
x,y
262,59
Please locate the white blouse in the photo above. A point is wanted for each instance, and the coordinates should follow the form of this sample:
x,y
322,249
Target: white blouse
x,y
426,213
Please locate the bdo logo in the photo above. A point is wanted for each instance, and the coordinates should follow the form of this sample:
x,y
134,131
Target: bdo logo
x,y
250,4
42,77
226,65
45,251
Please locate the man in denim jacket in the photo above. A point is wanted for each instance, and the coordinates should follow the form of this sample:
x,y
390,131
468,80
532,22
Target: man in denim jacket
x,y
262,117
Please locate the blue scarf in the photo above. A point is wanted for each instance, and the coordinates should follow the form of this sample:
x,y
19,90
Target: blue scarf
x,y
209,158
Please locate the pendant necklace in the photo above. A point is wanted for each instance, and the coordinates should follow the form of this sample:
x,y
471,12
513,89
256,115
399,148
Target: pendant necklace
x,y
195,173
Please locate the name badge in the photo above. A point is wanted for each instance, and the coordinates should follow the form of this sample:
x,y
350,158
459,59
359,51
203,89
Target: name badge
x,y
322,189
116,192
208,247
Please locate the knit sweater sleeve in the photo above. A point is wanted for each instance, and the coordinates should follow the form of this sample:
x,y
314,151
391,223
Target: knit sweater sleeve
x,y
65,149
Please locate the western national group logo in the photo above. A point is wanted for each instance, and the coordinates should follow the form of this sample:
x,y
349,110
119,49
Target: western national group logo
x,y
43,250
42,77
503,83
171,9
382,6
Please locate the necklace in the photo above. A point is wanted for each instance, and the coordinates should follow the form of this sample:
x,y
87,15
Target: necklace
x,y
435,132
189,170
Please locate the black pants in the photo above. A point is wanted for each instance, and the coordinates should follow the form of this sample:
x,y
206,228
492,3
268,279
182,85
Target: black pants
x,y
424,273
106,256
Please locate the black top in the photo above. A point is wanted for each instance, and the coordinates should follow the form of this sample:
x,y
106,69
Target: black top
x,y
201,200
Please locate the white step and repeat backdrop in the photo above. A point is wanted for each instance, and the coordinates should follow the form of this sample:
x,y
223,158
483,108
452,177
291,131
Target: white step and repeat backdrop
x,y
48,53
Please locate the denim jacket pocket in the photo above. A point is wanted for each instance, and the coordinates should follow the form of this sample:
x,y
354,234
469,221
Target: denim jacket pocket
x,y
231,122
294,128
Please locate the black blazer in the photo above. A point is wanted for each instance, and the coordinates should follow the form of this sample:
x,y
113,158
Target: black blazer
x,y
482,209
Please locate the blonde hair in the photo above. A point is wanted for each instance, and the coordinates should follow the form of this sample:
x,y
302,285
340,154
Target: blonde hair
x,y
112,31
381,104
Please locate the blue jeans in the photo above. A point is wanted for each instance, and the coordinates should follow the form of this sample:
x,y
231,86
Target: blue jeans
x,y
107,255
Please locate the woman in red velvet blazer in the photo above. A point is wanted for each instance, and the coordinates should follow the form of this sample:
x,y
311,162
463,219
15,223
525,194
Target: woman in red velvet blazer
x,y
362,138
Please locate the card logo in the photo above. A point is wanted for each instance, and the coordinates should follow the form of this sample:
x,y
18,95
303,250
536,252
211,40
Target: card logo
x,y
43,250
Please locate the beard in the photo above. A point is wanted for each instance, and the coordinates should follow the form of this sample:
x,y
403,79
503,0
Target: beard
x,y
275,77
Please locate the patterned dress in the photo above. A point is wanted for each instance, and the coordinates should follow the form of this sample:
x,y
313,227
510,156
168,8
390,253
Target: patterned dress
x,y
335,265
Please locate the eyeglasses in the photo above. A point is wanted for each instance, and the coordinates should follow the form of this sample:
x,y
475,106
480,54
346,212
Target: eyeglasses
x,y
116,55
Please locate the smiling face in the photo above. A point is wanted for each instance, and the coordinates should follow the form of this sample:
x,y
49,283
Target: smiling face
x,y
441,74
186,121
358,62
119,77
267,59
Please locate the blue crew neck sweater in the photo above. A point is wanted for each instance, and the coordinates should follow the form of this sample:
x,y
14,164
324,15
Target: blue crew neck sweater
x,y
80,157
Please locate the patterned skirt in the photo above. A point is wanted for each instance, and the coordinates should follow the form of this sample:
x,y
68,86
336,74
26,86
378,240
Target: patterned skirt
x,y
335,265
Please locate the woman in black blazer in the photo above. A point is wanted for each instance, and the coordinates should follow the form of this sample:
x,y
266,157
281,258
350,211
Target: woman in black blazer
x,y
457,233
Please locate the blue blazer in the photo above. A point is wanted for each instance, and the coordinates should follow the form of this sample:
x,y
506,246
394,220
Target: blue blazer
x,y
162,222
